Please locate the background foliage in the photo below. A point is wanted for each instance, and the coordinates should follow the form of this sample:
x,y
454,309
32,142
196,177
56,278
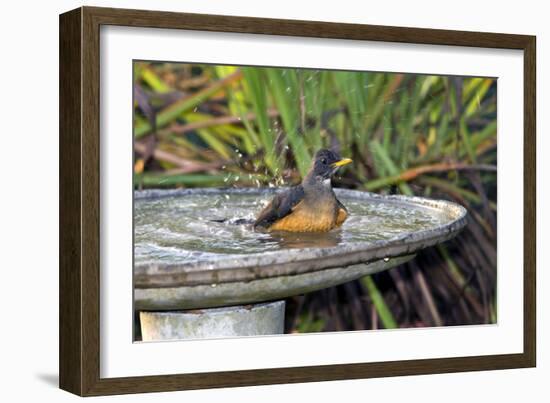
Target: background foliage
x,y
434,136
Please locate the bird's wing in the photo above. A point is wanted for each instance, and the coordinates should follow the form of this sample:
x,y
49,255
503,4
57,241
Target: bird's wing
x,y
281,206
340,205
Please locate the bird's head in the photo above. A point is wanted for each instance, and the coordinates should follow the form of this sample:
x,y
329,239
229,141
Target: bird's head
x,y
325,164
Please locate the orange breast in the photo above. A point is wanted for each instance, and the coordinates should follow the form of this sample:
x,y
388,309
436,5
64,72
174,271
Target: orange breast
x,y
341,217
305,218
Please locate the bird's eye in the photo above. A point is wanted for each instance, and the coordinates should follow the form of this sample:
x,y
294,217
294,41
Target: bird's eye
x,y
324,161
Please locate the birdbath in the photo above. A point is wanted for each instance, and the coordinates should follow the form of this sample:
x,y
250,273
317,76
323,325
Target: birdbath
x,y
199,271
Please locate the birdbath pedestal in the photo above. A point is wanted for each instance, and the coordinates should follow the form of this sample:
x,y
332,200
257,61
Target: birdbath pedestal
x,y
197,277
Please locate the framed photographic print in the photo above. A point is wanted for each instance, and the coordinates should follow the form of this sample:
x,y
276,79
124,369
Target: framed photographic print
x,y
249,201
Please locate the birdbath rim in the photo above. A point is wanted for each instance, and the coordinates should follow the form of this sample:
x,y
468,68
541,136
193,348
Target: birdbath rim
x,y
287,262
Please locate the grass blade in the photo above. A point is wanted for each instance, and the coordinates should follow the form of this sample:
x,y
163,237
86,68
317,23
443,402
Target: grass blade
x,y
378,300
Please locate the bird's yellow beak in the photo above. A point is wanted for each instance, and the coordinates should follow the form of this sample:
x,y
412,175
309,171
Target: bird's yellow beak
x,y
342,162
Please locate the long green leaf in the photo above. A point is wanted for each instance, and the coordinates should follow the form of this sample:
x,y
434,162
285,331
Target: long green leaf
x,y
175,110
382,309
284,92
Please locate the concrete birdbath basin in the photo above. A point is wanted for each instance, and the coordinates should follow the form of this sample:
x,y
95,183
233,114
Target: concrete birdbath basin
x,y
185,261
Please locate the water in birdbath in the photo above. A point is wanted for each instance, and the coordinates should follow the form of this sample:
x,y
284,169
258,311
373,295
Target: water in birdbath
x,y
182,228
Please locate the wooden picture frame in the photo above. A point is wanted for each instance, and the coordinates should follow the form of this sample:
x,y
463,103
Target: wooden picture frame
x,y
80,199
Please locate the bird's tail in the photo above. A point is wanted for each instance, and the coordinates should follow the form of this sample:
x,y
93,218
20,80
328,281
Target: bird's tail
x,y
235,221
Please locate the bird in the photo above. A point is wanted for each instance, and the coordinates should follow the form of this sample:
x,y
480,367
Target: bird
x,y
310,206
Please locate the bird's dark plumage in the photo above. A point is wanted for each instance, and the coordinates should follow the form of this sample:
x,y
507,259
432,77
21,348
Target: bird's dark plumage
x,y
280,206
311,206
